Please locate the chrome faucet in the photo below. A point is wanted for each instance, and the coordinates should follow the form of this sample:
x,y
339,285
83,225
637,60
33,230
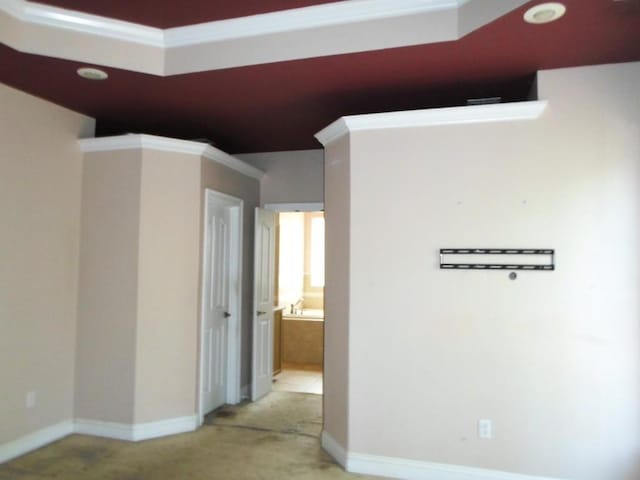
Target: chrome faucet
x,y
295,305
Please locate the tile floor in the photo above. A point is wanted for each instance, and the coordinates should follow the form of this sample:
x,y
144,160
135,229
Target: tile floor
x,y
299,378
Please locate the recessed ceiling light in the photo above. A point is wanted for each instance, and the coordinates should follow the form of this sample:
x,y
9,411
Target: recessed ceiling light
x,y
92,73
545,13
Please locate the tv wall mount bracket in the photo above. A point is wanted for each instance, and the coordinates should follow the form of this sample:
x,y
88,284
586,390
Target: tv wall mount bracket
x,y
448,261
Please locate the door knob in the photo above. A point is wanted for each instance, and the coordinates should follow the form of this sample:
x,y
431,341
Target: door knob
x,y
259,312
226,314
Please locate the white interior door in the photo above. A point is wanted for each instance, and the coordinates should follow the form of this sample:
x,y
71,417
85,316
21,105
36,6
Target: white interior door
x,y
263,289
216,307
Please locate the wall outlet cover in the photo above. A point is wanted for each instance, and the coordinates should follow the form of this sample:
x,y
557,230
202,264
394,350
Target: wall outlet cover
x,y
485,429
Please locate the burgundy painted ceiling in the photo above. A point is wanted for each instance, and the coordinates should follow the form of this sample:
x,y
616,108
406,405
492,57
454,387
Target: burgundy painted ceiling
x,y
280,106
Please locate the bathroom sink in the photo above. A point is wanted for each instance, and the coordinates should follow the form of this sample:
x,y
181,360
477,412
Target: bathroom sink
x,y
307,313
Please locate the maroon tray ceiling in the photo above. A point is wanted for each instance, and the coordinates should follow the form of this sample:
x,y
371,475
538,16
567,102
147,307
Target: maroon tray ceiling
x,y
280,106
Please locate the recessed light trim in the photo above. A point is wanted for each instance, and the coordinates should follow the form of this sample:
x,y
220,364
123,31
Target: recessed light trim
x,y
92,73
544,13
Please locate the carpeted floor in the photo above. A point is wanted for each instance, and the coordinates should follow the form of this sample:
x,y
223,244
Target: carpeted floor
x,y
284,412
274,438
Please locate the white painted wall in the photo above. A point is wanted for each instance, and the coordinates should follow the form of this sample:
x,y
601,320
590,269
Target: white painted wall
x,y
553,358
291,177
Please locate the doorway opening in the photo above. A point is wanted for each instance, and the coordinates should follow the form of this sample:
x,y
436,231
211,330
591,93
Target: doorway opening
x,y
299,291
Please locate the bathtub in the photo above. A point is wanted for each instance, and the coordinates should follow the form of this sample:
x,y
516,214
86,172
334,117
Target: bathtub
x,y
302,337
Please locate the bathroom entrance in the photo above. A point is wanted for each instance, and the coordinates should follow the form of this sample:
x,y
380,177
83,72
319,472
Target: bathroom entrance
x,y
299,316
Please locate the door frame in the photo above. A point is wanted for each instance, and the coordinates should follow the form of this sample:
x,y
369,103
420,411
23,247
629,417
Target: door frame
x,y
234,335
295,207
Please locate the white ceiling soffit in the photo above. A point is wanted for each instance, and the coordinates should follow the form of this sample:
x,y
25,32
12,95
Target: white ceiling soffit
x,y
316,31
136,141
499,112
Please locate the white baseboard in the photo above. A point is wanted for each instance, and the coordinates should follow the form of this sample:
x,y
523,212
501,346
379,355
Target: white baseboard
x,y
120,431
163,428
97,428
393,467
333,448
244,392
416,470
35,440
139,431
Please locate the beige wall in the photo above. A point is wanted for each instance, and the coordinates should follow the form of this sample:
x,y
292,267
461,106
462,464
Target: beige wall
x,y
138,317
108,294
291,177
337,291
40,192
168,286
225,180
139,300
551,358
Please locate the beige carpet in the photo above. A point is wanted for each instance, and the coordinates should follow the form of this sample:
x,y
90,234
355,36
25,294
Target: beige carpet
x,y
275,438
283,412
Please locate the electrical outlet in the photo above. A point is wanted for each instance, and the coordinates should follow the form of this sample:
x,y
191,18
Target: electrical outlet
x,y
30,399
485,429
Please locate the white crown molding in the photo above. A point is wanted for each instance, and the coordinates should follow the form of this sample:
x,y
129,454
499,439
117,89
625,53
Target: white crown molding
x,y
55,17
297,19
35,440
136,432
293,34
499,112
218,156
166,144
334,131
402,468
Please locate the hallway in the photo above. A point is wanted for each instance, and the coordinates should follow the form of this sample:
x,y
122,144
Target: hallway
x,y
299,378
274,438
